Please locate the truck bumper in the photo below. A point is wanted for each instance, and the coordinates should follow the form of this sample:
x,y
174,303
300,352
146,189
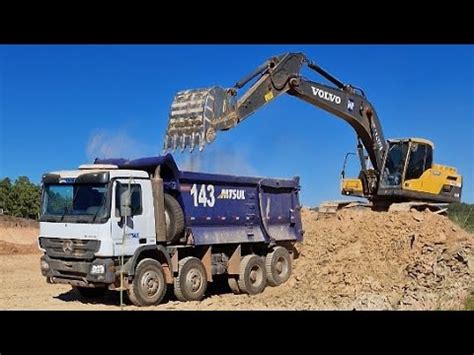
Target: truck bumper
x,y
78,273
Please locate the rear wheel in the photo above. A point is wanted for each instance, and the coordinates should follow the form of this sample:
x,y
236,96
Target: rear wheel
x,y
191,282
234,285
148,286
278,266
252,278
90,292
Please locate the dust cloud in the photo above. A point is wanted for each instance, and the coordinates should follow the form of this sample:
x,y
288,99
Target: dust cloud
x,y
219,161
119,144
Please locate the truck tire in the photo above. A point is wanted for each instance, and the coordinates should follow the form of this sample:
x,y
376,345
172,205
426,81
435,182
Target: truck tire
x,y
89,292
191,282
252,277
234,285
148,286
278,266
174,218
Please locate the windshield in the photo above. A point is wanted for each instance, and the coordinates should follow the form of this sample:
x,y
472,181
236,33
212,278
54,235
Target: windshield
x,y
66,201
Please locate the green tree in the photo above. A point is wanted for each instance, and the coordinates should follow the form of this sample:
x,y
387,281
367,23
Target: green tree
x,y
5,194
25,199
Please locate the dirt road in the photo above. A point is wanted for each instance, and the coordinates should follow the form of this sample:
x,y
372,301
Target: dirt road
x,y
356,260
23,287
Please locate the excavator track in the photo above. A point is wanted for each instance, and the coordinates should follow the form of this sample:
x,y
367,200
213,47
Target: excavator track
x,y
439,208
329,208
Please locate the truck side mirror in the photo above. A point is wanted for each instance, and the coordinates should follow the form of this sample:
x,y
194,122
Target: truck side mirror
x,y
123,199
125,211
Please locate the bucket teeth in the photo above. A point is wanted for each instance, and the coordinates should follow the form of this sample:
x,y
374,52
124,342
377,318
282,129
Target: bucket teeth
x,y
193,115
193,143
175,142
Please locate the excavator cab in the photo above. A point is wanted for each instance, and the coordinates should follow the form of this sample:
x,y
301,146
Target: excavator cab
x,y
408,173
405,157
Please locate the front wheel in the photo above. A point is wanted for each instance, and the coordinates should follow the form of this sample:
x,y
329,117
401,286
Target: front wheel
x,y
148,286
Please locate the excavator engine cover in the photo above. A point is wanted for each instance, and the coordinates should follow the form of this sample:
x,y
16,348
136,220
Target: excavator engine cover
x,y
194,115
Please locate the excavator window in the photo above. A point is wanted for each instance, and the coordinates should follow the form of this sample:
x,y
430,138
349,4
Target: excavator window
x,y
421,158
429,158
394,164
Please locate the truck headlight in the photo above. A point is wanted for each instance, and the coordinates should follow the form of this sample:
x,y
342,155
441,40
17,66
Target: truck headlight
x,y
44,265
97,269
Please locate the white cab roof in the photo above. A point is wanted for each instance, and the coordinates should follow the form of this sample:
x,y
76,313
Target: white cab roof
x,y
114,173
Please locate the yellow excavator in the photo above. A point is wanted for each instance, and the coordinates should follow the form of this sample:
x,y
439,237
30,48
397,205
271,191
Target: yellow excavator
x,y
394,170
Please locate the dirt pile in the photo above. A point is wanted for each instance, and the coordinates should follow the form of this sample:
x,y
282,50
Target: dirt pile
x,y
17,222
18,235
362,259
12,249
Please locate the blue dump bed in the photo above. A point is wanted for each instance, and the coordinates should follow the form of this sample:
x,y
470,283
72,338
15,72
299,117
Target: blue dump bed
x,y
223,209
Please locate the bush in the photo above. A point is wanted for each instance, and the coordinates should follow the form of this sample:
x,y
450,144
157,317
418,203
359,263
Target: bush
x,y
463,215
469,303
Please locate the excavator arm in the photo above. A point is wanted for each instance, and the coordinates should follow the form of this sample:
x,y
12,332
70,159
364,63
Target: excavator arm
x,y
197,115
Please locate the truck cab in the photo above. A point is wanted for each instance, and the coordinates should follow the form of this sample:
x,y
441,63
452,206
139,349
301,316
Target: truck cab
x,y
80,218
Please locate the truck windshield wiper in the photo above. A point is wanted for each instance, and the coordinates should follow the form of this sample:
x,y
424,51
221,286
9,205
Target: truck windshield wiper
x,y
102,202
64,213
95,215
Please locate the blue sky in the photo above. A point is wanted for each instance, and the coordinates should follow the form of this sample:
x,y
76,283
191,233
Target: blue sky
x,y
61,106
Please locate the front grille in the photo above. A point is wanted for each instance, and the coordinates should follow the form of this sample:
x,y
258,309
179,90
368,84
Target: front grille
x,y
69,248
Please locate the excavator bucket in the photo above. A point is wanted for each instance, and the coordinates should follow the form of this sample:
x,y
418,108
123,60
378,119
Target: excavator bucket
x,y
194,117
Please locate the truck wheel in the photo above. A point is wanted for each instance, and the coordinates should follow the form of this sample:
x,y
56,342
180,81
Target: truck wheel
x,y
278,266
252,278
191,282
89,292
148,286
234,285
174,218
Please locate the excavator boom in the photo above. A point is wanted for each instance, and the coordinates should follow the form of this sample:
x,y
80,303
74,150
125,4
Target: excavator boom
x,y
197,115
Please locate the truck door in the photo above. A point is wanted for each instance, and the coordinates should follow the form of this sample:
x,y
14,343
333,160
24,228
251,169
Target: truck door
x,y
138,229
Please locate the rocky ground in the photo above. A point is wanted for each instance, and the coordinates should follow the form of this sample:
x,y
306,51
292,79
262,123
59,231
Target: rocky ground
x,y
358,259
